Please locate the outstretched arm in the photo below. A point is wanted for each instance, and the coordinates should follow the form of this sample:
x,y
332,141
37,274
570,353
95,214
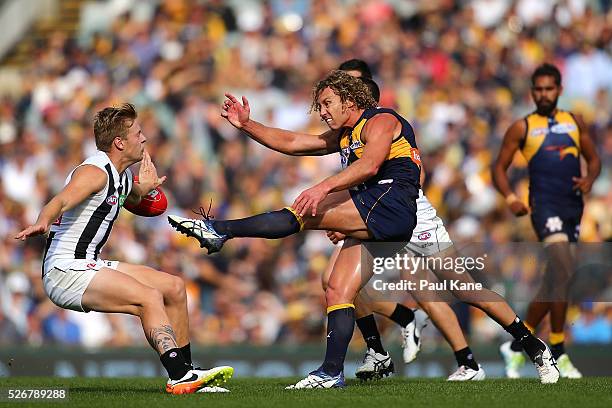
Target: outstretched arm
x,y
284,141
511,143
86,180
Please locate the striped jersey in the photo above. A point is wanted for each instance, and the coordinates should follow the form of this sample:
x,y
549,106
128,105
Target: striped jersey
x,y
80,233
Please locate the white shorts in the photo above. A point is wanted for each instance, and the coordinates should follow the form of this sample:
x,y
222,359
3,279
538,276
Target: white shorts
x,y
429,236
66,280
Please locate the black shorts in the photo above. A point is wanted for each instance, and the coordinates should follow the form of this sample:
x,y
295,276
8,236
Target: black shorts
x,y
549,219
388,210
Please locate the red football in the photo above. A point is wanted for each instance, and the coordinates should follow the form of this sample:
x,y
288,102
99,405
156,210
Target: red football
x,y
153,204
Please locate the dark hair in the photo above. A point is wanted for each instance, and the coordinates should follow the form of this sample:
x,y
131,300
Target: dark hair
x,y
547,69
373,87
113,122
357,65
347,87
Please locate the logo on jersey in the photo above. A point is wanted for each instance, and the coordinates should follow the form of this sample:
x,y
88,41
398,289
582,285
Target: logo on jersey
x,y
554,224
356,144
563,128
122,198
91,265
415,155
111,200
424,235
58,221
539,131
344,155
564,150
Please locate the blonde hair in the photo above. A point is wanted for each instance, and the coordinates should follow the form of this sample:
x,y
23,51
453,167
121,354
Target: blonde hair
x,y
113,122
347,87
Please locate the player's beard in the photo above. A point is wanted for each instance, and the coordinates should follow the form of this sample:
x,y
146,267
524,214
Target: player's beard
x,y
547,109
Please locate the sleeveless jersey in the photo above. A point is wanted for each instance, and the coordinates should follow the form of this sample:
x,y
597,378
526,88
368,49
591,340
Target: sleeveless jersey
x,y
402,165
81,232
552,149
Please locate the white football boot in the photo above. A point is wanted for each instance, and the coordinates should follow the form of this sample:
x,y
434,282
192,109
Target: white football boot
x,y
465,373
375,365
411,335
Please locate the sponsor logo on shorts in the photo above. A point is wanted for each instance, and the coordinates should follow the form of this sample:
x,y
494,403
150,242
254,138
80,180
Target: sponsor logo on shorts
x,y
112,200
424,236
91,265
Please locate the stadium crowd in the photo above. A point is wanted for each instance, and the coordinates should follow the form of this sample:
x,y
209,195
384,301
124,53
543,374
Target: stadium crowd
x,y
459,71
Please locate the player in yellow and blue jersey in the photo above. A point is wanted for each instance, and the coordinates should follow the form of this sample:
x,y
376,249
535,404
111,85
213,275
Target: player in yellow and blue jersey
x,y
552,141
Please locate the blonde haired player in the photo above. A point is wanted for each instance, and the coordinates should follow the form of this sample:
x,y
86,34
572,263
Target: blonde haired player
x,y
79,220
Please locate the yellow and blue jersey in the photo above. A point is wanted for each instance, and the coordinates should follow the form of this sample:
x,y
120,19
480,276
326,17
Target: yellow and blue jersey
x,y
552,149
387,201
402,165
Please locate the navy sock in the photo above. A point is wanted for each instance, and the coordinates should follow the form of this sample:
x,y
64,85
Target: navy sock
x,y
186,351
271,225
557,350
340,325
174,363
402,315
465,357
516,346
531,344
370,333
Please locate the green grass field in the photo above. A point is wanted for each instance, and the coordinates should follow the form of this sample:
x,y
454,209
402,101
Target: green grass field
x,y
247,392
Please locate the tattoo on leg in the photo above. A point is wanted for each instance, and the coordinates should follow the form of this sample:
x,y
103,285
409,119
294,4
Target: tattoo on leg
x,y
162,338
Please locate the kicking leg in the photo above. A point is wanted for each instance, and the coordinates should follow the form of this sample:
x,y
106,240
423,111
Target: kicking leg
x,y
336,212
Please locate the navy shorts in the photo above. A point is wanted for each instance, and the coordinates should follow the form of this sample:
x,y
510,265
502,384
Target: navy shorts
x,y
388,210
548,219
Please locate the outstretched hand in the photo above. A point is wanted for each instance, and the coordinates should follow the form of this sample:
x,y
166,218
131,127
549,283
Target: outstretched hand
x,y
32,230
237,114
147,175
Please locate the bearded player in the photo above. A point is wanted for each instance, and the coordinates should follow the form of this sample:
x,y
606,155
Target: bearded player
x,y
552,141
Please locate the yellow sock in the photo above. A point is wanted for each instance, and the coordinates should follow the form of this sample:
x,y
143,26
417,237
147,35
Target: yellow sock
x,y
556,338
340,306
297,217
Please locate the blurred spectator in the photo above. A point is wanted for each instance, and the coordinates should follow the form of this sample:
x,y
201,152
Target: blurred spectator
x,y
591,328
57,328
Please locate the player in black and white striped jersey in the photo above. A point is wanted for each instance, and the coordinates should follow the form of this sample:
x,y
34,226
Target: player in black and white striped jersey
x,y
74,277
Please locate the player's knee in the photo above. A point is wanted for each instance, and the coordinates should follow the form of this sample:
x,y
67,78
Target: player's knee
x,y
152,299
335,296
175,290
